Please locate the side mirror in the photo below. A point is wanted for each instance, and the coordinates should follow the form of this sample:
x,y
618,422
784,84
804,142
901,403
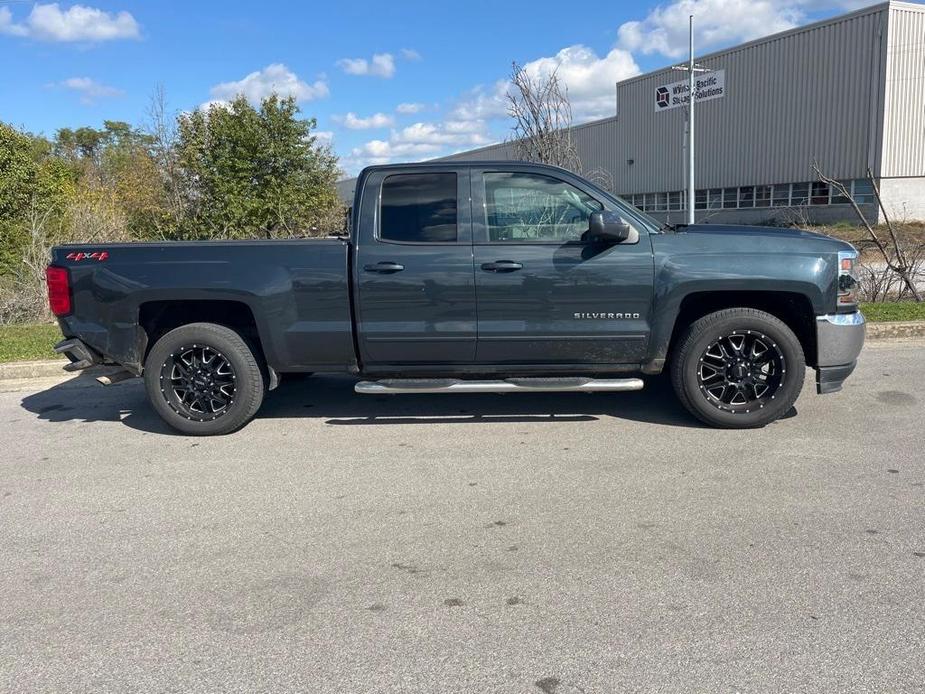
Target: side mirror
x,y
607,226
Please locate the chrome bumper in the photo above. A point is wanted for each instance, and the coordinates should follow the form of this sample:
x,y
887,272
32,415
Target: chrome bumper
x,y
839,339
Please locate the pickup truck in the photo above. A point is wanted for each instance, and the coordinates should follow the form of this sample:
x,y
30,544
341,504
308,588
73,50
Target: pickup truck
x,y
470,277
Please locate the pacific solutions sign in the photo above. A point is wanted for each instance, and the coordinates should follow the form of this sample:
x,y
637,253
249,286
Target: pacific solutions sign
x,y
707,86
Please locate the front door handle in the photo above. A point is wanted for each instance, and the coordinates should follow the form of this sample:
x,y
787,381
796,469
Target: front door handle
x,y
384,267
502,266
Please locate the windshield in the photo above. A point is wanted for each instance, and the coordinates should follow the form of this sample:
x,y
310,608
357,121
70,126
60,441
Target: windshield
x,y
648,223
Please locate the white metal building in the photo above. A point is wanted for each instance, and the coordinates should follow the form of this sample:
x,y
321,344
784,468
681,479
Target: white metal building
x,y
847,92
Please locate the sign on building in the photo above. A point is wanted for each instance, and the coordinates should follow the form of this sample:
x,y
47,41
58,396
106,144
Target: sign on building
x,y
707,86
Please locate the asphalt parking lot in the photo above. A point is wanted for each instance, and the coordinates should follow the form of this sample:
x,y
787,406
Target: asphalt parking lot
x,y
466,543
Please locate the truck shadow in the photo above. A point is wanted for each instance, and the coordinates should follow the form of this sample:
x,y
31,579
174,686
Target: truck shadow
x,y
332,399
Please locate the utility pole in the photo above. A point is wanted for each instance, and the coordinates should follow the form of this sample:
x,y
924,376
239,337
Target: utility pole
x,y
690,127
691,68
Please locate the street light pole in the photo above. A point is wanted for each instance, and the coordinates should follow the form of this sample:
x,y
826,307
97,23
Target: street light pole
x,y
690,128
692,69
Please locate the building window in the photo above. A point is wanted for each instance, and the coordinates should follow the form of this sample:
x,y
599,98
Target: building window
x,y
649,205
799,194
820,194
746,196
419,208
762,196
700,200
675,201
781,195
730,198
863,192
838,198
716,198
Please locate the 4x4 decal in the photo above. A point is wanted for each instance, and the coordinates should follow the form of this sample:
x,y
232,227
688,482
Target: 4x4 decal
x,y
99,256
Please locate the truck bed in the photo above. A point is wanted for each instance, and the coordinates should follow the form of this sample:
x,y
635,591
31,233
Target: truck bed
x,y
296,293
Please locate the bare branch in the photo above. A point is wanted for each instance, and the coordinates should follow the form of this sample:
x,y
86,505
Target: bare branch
x,y
542,120
895,260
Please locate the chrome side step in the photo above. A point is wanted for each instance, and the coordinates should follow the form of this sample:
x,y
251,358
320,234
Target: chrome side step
x,y
509,385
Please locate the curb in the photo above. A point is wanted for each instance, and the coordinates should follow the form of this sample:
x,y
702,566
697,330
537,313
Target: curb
x,y
889,330
32,369
49,368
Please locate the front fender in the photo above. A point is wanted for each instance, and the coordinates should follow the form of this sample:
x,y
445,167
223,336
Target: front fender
x,y
682,275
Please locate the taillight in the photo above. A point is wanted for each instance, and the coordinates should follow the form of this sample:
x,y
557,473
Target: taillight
x,y
847,279
59,290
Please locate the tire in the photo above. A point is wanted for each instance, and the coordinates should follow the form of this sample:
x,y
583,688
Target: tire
x,y
204,380
741,387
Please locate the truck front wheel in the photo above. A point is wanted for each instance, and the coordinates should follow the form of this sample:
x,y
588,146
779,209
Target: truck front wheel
x,y
738,368
203,379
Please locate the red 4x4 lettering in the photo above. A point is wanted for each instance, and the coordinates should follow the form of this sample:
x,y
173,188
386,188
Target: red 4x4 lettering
x,y
95,255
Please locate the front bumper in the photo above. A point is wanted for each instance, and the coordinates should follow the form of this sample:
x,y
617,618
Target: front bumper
x,y
839,339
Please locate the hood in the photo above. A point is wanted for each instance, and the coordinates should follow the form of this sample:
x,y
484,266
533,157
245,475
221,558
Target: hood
x,y
742,236
746,230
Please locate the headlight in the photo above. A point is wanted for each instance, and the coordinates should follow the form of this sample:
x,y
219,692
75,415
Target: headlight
x,y
847,279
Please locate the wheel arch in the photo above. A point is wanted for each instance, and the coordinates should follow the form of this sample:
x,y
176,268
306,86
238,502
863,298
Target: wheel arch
x,y
157,318
795,310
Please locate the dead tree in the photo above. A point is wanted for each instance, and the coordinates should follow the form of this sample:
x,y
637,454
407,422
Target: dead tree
x,y
893,253
542,120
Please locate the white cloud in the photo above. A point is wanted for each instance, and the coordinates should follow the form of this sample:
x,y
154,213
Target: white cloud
x,y
410,54
273,79
376,120
89,90
481,103
410,108
719,23
78,23
420,141
380,65
323,137
591,79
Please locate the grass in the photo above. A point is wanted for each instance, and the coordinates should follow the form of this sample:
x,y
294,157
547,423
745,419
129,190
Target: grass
x,y
894,311
30,342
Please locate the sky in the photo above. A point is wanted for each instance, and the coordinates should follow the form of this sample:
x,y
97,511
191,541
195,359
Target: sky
x,y
387,81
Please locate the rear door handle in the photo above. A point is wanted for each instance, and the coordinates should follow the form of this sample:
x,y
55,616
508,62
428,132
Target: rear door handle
x,y
384,267
502,266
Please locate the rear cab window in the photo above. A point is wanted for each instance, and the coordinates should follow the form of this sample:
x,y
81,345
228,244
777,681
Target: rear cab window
x,y
419,208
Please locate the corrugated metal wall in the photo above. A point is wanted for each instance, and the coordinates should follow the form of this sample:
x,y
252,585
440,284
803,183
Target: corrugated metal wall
x,y
904,131
802,96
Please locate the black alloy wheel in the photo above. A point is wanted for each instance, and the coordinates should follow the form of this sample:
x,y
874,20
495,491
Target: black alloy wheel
x,y
198,382
741,372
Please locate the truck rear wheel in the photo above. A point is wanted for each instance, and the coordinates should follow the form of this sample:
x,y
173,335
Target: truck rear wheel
x,y
203,379
738,368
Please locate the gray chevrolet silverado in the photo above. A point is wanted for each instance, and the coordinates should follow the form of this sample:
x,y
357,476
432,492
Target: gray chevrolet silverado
x,y
470,277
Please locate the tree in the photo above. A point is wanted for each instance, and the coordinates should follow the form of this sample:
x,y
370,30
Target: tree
x,y
30,179
254,172
542,117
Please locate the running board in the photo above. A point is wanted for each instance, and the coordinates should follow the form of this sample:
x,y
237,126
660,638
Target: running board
x,y
510,385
